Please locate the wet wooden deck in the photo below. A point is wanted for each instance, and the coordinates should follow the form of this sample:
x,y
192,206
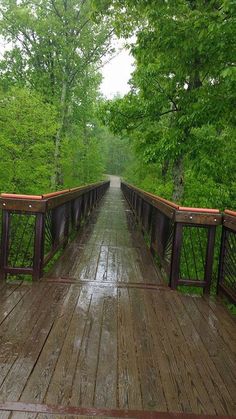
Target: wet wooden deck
x,y
102,334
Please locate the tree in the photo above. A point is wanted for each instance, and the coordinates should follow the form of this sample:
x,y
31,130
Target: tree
x,y
183,84
26,127
57,44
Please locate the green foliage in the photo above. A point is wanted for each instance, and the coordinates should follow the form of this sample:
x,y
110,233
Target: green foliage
x,y
26,127
119,154
180,114
56,49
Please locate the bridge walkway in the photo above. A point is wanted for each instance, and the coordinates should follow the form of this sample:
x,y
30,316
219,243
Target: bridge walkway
x,y
102,335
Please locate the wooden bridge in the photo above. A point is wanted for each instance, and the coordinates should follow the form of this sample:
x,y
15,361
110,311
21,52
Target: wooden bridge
x,y
104,332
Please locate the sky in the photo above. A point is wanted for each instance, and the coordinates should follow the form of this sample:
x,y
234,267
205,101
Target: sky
x,y
117,72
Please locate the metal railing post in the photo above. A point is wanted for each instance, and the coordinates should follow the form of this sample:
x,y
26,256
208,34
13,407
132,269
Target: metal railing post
x,y
4,243
176,254
39,246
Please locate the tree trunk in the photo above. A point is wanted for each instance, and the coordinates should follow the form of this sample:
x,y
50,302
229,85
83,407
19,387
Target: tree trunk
x,y
178,178
178,166
57,177
164,169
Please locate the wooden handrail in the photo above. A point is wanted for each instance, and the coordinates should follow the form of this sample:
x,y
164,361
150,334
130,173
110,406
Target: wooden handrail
x,y
170,228
191,215
41,203
48,220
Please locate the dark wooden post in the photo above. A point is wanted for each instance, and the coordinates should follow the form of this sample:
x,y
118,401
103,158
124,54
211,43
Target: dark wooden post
x,y
152,230
222,256
4,243
209,258
39,246
175,257
67,223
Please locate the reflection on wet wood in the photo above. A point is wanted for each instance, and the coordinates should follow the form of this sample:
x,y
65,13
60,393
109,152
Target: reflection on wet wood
x,y
129,347
110,248
105,332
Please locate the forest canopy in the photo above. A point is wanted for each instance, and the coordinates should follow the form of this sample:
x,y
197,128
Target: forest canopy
x,y
172,134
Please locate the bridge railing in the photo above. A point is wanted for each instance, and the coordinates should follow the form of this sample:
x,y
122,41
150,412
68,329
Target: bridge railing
x,y
181,238
34,227
227,266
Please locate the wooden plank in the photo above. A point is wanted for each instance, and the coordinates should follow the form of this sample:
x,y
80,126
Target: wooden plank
x,y
86,265
17,327
112,265
221,321
98,284
31,348
105,393
60,387
39,380
87,362
102,413
3,286
229,220
129,386
64,264
227,321
219,353
151,385
7,288
190,217
217,390
27,205
11,296
193,393
101,271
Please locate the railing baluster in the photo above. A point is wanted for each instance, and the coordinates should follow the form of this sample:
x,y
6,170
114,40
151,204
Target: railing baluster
x,y
39,246
176,252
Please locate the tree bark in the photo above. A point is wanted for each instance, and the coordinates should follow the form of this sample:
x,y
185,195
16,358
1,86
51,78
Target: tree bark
x,y
178,178
164,169
178,166
57,177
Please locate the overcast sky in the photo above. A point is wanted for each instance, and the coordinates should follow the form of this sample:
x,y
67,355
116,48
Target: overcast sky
x,y
117,72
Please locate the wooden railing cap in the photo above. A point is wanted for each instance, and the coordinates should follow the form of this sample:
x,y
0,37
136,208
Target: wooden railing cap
x,y
181,214
173,204
51,194
193,209
19,196
40,203
230,212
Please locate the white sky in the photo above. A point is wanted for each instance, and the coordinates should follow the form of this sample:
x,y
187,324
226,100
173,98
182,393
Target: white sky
x,y
117,72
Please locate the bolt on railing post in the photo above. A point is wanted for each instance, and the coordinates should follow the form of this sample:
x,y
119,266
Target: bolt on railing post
x,y
175,256
39,246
